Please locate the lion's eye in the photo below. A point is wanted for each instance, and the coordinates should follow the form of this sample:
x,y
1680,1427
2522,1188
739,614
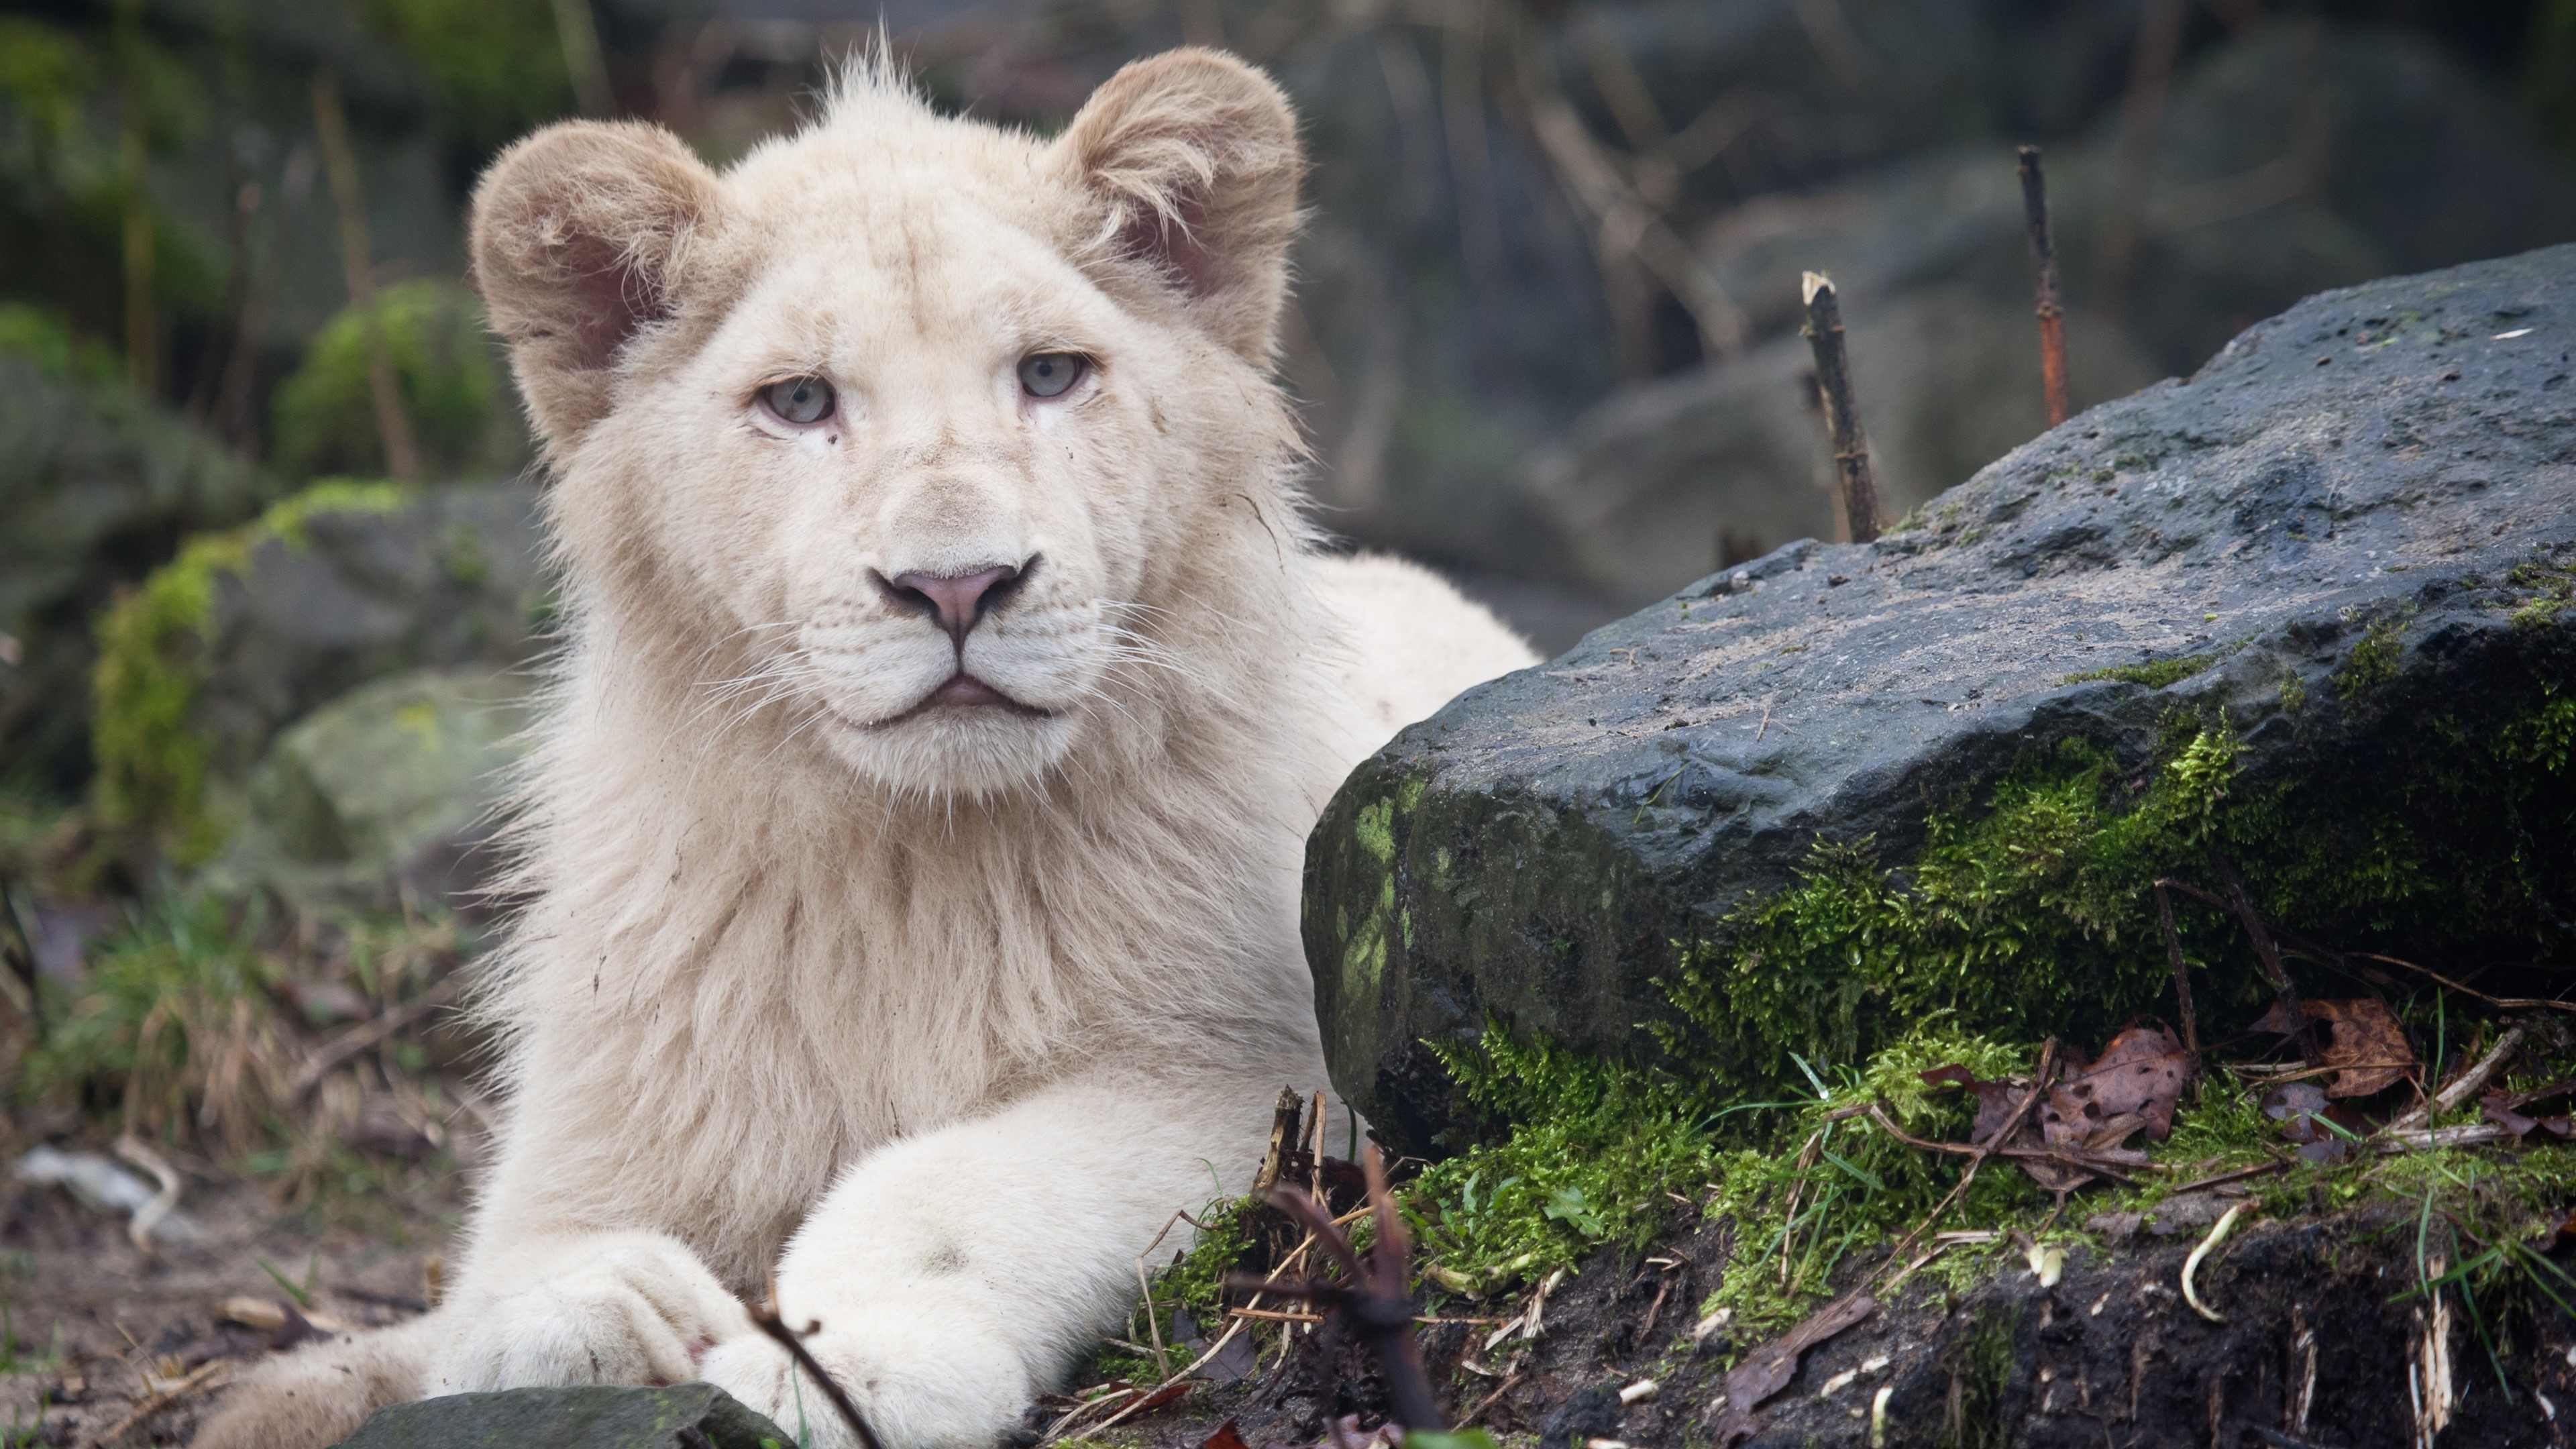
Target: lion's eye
x,y
799,400
1048,374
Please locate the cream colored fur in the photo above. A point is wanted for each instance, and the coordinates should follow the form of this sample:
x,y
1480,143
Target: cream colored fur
x,y
935,1014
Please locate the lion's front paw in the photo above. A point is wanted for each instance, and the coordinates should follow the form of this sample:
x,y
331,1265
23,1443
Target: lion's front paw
x,y
637,1311
921,1384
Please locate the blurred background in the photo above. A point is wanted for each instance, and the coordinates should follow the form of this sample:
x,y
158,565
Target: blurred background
x,y
266,570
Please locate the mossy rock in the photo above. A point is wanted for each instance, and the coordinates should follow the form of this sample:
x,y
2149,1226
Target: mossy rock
x,y
2305,612
97,485
250,630
390,788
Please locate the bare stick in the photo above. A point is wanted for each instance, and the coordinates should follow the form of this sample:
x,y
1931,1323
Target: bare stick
x,y
2182,977
2507,1003
2270,953
1833,380
764,1316
366,1034
2465,1085
340,163
2043,265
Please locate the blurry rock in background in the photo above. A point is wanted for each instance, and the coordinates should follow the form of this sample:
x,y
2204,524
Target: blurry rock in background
x,y
1544,339
387,790
97,484
206,667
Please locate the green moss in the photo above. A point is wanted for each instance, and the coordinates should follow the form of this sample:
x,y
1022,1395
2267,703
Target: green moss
x,y
444,367
2025,912
2155,675
2546,585
152,760
1596,1149
2372,662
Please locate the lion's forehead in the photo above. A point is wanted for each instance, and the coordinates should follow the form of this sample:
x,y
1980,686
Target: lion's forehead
x,y
890,260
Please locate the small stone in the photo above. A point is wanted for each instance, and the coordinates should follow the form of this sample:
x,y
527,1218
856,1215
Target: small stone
x,y
683,1416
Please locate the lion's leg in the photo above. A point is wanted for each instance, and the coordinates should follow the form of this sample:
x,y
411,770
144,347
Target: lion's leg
x,y
322,1392
958,1274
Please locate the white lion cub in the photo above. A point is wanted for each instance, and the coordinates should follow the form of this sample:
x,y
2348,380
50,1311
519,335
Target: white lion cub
x,y
950,685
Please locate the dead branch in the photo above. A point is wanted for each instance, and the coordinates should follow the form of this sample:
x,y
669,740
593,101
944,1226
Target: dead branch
x,y
366,1034
1376,1299
1842,416
2142,116
2465,1085
340,164
147,1217
764,1316
2043,264
1629,225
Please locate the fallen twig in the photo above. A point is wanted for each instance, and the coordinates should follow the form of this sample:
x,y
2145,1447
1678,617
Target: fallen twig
x,y
2173,952
764,1316
1976,1154
156,1403
2466,1084
366,1034
2221,1179
2503,1003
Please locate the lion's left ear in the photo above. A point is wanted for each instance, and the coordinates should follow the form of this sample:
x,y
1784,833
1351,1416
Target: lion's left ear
x,y
1195,156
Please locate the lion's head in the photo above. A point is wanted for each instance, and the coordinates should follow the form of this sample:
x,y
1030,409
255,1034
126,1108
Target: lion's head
x,y
910,429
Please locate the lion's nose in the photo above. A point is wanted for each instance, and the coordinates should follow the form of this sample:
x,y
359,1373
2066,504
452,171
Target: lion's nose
x,y
958,601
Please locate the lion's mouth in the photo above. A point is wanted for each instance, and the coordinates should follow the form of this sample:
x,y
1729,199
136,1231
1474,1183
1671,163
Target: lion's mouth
x,y
962,690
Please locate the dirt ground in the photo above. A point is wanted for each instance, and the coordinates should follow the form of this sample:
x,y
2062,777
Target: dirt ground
x,y
2320,1348
105,1341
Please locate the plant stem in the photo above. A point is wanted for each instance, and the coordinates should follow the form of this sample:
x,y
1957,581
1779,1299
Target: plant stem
x,y
2043,263
1833,380
340,163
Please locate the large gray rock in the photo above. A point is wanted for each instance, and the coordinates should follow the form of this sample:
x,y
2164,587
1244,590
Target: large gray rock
x,y
2346,540
684,1416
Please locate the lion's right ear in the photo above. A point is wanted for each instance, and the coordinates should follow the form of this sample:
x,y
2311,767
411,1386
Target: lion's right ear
x,y
581,237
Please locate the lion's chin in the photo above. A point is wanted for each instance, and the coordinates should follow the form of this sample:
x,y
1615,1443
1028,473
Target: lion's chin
x,y
943,749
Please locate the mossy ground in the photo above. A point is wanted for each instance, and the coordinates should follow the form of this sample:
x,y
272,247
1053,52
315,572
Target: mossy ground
x,y
2028,911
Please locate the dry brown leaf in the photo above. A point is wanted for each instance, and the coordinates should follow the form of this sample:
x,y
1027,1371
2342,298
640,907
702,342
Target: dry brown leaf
x,y
2364,1042
2133,1087
1769,1368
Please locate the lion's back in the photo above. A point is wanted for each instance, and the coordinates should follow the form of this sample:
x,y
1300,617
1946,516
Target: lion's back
x,y
1415,643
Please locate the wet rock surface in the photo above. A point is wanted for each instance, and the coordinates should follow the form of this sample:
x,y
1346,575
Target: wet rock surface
x,y
2349,518
686,1416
